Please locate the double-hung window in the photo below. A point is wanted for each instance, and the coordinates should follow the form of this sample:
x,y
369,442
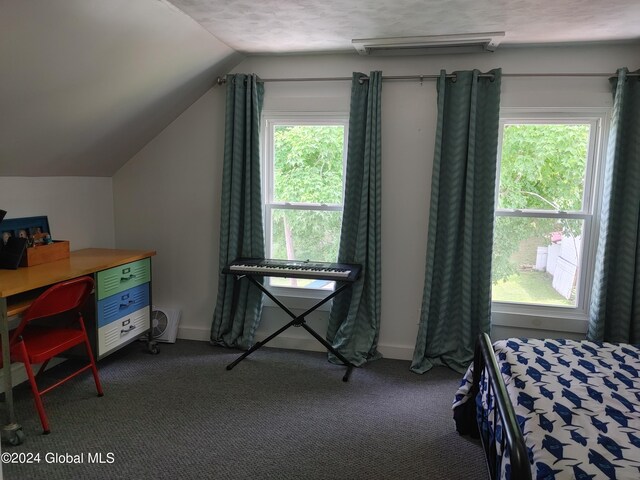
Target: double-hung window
x,y
304,169
546,203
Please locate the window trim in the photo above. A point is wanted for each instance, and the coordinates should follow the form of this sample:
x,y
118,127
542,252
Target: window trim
x,y
547,317
269,120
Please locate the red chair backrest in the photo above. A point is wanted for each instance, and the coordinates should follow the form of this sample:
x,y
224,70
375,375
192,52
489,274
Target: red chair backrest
x,y
59,298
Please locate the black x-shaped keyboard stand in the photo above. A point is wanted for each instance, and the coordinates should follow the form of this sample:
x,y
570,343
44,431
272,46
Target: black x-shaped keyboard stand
x,y
298,321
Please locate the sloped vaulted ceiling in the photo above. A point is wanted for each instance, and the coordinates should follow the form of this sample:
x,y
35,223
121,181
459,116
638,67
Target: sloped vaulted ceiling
x,y
85,84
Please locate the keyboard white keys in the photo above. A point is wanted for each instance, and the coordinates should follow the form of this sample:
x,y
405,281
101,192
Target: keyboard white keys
x,y
294,269
331,273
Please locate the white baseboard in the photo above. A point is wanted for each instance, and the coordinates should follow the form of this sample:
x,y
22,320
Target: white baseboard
x,y
194,333
396,352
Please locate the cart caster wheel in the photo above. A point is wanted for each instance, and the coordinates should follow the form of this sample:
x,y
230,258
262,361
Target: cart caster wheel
x,y
16,437
152,347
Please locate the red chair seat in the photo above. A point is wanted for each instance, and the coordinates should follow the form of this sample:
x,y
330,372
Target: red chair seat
x,y
43,343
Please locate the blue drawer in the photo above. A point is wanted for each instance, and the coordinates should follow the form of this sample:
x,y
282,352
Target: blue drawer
x,y
121,304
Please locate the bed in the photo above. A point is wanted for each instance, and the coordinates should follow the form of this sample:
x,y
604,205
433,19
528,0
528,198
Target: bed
x,y
553,409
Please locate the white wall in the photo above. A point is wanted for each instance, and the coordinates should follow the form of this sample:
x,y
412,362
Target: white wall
x,y
167,196
79,209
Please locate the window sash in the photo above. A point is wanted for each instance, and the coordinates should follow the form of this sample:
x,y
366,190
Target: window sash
x,y
597,119
273,120
585,267
543,213
323,207
576,118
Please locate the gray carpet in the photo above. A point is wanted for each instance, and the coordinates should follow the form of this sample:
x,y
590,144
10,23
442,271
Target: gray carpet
x,y
279,414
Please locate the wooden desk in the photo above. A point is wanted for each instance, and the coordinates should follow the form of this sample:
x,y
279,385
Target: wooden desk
x,y
18,288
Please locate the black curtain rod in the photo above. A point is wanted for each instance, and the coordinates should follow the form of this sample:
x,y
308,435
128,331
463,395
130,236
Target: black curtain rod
x,y
223,80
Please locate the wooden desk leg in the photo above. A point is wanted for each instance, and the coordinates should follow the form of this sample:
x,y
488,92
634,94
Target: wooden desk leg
x,y
12,431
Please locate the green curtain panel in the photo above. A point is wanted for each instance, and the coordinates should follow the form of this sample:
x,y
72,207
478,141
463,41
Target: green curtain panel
x,y
239,303
456,304
354,321
615,301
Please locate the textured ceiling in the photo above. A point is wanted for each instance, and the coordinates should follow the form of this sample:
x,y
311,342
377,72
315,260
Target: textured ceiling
x,y
270,26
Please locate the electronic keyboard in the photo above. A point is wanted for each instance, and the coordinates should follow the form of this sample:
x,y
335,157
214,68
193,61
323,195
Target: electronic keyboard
x,y
344,272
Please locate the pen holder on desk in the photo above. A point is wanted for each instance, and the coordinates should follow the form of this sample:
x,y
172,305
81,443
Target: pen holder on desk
x,y
57,250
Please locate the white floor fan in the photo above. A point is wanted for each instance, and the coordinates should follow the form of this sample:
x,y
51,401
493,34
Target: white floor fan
x,y
164,324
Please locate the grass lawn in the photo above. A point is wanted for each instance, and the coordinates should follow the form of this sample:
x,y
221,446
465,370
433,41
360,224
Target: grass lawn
x,y
529,287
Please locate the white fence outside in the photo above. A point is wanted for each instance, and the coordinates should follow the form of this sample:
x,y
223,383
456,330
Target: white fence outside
x,y
561,260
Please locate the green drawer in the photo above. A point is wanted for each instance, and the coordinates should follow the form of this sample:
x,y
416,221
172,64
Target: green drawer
x,y
119,279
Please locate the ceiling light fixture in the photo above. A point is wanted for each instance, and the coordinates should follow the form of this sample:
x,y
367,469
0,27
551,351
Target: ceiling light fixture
x,y
432,44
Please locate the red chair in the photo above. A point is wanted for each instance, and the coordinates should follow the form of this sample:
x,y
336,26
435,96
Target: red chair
x,y
38,343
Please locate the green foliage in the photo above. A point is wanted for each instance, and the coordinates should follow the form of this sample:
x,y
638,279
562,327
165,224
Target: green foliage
x,y
308,164
505,245
542,167
313,235
308,169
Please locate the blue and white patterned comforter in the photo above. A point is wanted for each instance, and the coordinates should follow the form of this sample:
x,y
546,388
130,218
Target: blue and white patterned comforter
x,y
577,403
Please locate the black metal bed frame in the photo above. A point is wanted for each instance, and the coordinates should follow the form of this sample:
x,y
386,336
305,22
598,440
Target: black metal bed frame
x,y
485,365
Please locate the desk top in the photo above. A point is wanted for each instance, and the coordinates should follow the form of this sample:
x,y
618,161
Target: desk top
x,y
80,262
